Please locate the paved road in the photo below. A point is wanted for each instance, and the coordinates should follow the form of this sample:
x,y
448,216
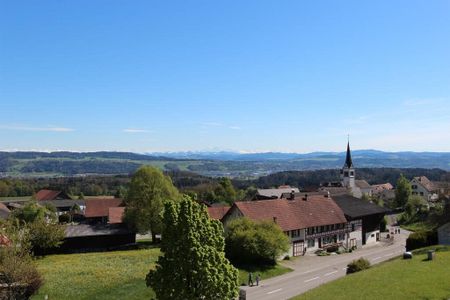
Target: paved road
x,y
310,272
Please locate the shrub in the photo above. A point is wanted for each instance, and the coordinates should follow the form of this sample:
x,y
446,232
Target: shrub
x,y
64,218
421,239
20,272
44,236
358,265
249,242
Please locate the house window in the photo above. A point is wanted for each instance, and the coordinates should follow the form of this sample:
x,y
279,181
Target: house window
x,y
414,187
295,233
421,193
346,174
353,227
352,173
311,243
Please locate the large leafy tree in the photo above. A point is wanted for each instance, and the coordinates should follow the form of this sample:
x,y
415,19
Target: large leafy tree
x,y
193,264
402,191
250,242
149,190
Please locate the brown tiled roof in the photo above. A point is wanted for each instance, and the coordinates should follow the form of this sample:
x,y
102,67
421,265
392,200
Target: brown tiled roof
x,y
100,207
294,214
115,215
47,195
217,212
378,188
426,183
4,211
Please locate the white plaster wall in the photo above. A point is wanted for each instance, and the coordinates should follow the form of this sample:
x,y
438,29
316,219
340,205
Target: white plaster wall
x,y
370,239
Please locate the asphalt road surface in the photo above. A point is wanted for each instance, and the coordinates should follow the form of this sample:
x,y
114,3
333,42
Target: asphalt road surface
x,y
310,272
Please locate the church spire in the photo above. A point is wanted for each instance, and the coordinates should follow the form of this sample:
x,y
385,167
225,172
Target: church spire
x,y
348,158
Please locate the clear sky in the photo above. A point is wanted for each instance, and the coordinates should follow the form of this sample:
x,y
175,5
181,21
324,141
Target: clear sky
x,y
291,76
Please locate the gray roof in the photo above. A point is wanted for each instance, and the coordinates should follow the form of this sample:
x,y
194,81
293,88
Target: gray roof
x,y
355,208
95,230
63,203
362,184
276,192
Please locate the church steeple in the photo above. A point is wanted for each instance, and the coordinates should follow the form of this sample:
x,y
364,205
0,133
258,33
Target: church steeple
x,y
348,171
348,158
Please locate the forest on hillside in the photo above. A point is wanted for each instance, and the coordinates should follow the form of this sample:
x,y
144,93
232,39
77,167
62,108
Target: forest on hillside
x,y
211,189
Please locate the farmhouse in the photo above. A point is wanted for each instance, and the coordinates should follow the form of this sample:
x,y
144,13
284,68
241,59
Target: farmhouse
x,y
217,212
425,188
51,195
85,237
311,222
264,194
363,219
98,210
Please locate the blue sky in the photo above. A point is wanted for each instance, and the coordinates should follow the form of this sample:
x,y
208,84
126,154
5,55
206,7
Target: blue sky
x,y
291,76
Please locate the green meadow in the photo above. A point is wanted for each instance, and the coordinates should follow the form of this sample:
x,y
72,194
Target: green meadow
x,y
396,279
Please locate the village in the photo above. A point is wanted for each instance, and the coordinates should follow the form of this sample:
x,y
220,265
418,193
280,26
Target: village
x,y
339,217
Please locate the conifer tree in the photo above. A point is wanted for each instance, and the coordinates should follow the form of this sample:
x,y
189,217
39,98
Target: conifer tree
x,y
193,264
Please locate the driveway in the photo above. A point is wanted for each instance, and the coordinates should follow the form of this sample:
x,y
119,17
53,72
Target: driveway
x,y
311,271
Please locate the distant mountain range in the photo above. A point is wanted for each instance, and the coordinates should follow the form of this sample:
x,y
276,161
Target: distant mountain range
x,y
222,163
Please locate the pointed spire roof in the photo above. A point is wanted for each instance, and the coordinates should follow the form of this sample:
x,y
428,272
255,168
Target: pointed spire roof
x,y
348,158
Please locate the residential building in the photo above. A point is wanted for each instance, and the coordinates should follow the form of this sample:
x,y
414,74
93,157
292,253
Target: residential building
x,y
66,205
217,212
276,193
97,210
425,188
363,218
311,222
51,195
85,237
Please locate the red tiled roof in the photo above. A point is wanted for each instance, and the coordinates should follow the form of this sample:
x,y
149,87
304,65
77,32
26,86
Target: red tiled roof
x,y
115,215
100,207
378,188
47,195
294,214
217,212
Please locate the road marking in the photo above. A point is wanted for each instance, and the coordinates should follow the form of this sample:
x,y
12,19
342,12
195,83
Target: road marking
x,y
331,273
311,279
274,291
376,258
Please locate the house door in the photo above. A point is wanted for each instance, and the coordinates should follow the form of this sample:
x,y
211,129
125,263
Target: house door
x,y
298,248
320,242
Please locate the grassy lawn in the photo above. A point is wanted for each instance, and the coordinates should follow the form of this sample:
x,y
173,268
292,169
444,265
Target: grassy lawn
x,y
418,226
396,279
110,275
265,272
102,275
